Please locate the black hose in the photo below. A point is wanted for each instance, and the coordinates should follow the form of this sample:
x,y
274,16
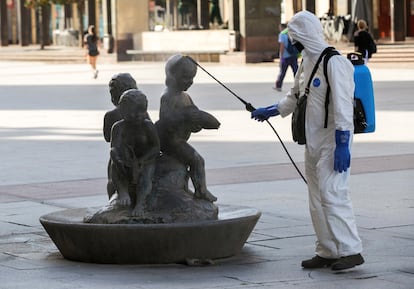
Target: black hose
x,y
250,108
287,152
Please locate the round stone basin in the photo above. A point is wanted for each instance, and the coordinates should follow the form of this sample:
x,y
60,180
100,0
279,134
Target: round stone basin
x,y
150,243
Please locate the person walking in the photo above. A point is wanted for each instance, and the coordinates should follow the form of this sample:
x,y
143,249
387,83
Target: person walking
x,y
288,56
328,149
363,41
91,41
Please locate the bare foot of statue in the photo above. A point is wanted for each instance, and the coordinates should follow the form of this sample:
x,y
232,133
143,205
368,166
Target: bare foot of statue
x,y
138,211
206,195
124,200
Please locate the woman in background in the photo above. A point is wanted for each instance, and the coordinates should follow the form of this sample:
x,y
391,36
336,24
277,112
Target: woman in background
x,y
91,44
362,40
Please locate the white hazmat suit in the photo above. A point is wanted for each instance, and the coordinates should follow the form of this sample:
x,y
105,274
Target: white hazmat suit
x,y
330,205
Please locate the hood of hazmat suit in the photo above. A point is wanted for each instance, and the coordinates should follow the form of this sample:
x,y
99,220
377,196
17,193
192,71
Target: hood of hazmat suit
x,y
306,28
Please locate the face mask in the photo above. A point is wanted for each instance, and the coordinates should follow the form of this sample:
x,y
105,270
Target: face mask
x,y
298,45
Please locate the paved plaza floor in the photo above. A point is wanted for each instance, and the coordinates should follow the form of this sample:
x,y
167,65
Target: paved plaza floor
x,y
54,157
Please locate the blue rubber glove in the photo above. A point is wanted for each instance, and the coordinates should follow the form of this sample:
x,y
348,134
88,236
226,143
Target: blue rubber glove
x,y
342,155
263,113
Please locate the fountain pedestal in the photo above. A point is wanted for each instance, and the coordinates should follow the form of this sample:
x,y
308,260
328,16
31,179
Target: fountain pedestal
x,y
150,243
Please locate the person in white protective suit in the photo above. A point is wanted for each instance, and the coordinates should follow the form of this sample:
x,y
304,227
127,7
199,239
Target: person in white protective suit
x,y
327,152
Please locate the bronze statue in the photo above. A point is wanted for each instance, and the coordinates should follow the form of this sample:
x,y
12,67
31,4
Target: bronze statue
x,y
134,149
117,85
179,117
150,165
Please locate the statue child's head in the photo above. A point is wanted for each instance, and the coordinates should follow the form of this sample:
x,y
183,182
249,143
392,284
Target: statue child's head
x,y
118,84
133,106
180,71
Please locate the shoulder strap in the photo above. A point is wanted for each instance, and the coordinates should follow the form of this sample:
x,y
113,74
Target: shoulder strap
x,y
315,68
329,53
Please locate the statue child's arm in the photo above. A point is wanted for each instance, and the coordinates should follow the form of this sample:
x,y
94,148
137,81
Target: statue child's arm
x,y
107,128
116,146
153,146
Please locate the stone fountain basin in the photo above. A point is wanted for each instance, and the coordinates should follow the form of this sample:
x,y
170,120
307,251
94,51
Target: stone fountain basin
x,y
150,243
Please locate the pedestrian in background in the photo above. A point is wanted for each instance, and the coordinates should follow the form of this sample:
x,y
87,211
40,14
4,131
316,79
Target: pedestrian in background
x,y
91,42
363,41
288,56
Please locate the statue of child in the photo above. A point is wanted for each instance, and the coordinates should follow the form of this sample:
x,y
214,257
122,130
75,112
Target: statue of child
x,y
117,85
134,148
179,117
